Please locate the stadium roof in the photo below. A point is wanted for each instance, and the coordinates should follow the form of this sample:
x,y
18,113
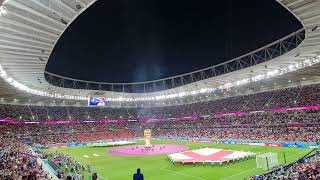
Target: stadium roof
x,y
30,29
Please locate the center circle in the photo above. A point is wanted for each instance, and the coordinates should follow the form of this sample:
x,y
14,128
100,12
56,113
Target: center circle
x,y
139,150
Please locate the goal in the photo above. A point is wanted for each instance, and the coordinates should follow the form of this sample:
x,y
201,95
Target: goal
x,y
267,160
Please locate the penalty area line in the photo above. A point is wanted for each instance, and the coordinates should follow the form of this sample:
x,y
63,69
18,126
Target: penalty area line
x,y
238,173
179,173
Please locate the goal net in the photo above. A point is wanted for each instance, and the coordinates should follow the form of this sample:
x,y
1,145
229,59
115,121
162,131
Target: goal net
x,y
267,160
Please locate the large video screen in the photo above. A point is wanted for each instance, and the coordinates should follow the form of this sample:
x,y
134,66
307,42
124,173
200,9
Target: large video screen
x,y
97,101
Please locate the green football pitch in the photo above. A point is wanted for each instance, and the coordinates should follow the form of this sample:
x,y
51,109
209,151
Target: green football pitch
x,y
158,167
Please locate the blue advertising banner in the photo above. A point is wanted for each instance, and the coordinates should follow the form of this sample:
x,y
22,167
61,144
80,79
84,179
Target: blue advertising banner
x,y
229,142
293,145
76,144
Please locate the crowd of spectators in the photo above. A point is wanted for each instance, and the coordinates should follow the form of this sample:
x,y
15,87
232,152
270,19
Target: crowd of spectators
x,y
68,166
17,162
302,125
65,133
262,101
306,168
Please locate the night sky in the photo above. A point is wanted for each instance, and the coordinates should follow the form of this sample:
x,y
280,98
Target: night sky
x,y
131,41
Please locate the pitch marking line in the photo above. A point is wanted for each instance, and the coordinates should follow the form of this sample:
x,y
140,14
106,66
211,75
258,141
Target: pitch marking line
x,y
239,173
182,174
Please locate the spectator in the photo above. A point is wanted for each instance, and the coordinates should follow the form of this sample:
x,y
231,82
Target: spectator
x,y
138,175
94,176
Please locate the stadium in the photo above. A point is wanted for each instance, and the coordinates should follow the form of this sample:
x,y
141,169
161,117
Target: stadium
x,y
256,116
